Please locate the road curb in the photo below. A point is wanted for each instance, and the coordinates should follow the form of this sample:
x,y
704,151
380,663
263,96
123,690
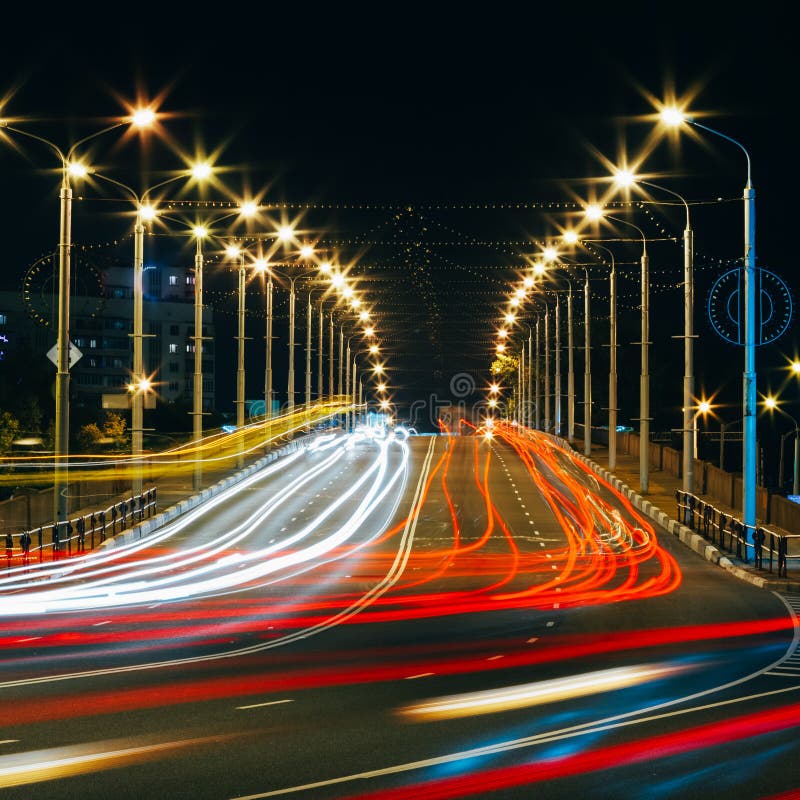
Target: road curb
x,y
148,526
694,541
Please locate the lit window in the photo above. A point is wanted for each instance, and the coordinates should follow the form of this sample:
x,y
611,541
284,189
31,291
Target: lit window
x,y
173,348
173,280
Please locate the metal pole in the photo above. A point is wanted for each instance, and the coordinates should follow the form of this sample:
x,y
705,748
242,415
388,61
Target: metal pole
x,y
688,356
528,418
347,388
268,376
330,358
688,345
644,387
796,481
612,371
320,387
587,373
722,427
570,372
137,414
197,411
547,368
353,392
60,500
749,443
557,355
308,352
290,387
749,377
240,361
341,358
537,410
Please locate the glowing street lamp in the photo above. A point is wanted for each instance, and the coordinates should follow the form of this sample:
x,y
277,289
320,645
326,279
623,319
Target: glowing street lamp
x,y
703,407
144,213
70,168
594,213
675,117
628,178
201,232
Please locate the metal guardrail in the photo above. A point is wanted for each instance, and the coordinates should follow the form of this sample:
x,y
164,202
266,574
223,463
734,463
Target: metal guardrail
x,y
716,525
83,532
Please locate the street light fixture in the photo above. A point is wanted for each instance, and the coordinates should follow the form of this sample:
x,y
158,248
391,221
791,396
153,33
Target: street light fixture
x,y
69,168
703,407
644,378
675,117
144,213
201,232
626,178
612,356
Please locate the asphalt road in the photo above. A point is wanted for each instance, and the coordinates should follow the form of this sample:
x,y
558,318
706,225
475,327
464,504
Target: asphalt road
x,y
432,617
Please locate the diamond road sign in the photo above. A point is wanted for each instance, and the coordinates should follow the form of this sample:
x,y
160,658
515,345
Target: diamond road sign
x,y
74,355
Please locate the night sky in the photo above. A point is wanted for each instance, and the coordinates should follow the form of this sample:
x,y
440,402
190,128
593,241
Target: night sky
x,y
435,150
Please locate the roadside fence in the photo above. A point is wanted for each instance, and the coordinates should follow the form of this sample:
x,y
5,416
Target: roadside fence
x,y
731,534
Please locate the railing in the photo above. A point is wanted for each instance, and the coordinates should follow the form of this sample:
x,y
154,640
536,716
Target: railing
x,y
83,532
718,526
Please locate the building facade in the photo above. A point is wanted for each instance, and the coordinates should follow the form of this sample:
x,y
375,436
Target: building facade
x,y
101,328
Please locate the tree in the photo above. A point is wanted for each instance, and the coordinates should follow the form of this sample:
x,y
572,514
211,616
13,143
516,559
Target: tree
x,y
111,436
505,368
9,431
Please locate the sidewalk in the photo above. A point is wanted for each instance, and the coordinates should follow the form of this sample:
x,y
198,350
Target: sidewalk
x,y
660,505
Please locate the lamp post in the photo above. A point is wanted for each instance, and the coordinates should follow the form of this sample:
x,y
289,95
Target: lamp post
x,y
200,232
703,407
292,282
140,118
547,368
688,332
139,382
538,386
238,254
672,116
373,349
644,378
309,315
570,354
612,357
571,238
262,266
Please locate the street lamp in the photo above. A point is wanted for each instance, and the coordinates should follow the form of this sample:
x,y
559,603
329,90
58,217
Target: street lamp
x,y
594,212
373,350
688,329
144,213
570,237
772,404
612,357
570,353
140,118
703,407
292,280
309,310
200,232
674,117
